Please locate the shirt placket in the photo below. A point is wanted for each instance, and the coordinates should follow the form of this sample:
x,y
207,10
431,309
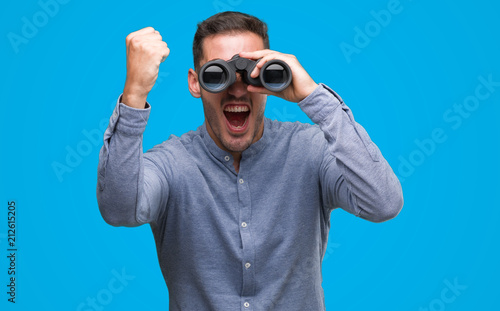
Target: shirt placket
x,y
245,225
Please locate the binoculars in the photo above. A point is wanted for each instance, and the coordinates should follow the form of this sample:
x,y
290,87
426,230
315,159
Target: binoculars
x,y
217,75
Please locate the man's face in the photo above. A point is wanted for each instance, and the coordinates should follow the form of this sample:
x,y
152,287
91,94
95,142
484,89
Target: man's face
x,y
235,116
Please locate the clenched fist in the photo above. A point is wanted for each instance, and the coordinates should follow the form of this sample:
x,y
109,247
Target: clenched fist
x,y
145,52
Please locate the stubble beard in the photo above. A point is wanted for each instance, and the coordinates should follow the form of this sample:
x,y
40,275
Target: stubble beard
x,y
218,128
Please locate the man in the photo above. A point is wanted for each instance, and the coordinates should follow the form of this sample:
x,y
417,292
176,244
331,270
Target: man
x,y
240,213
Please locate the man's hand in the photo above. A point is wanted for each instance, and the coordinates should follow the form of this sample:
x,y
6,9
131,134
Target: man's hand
x,y
302,84
145,52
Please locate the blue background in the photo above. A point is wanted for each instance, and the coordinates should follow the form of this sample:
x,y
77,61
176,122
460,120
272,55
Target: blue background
x,y
59,86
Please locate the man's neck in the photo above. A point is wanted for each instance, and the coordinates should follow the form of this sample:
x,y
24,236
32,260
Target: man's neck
x,y
236,160
236,155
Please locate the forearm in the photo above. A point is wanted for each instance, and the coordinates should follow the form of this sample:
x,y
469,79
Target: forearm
x,y
366,186
121,184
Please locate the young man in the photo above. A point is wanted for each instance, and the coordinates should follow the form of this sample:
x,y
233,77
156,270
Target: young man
x,y
240,211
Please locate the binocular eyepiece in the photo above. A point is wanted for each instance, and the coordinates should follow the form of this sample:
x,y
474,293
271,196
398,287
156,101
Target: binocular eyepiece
x,y
217,75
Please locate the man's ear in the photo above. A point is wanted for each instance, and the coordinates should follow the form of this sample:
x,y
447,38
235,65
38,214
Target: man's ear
x,y
194,86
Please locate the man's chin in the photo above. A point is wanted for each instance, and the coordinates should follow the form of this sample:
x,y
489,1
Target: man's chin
x,y
239,144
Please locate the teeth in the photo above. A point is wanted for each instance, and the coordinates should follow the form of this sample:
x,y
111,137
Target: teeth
x,y
236,109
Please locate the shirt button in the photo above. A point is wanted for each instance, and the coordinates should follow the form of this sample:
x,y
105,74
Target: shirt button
x,y
227,158
244,224
247,265
241,181
246,304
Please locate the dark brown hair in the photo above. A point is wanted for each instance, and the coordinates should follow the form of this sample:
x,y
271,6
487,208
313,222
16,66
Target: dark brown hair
x,y
223,23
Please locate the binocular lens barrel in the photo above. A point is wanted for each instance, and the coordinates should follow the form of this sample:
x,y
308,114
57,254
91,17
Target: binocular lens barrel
x,y
275,76
215,76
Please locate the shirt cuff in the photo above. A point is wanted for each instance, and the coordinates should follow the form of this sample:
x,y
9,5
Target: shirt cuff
x,y
320,104
128,120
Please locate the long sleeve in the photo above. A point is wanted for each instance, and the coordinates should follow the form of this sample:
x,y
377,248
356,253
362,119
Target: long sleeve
x,y
354,175
132,188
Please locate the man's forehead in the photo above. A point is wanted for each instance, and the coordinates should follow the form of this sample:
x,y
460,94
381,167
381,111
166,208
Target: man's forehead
x,y
224,46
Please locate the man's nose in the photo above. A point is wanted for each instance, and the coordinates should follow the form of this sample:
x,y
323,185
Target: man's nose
x,y
238,88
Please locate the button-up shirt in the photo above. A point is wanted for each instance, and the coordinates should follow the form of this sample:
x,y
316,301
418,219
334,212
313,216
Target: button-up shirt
x,y
252,239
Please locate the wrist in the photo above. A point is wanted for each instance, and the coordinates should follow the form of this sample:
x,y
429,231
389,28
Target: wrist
x,y
134,99
307,90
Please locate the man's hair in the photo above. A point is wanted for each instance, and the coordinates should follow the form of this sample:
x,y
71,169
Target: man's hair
x,y
227,23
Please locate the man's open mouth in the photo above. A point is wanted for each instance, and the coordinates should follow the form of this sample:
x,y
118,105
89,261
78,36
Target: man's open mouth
x,y
237,117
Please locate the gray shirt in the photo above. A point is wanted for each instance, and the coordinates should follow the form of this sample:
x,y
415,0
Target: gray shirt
x,y
253,239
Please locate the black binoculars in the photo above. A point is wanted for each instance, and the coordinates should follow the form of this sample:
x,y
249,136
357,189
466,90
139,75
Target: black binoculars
x,y
217,75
